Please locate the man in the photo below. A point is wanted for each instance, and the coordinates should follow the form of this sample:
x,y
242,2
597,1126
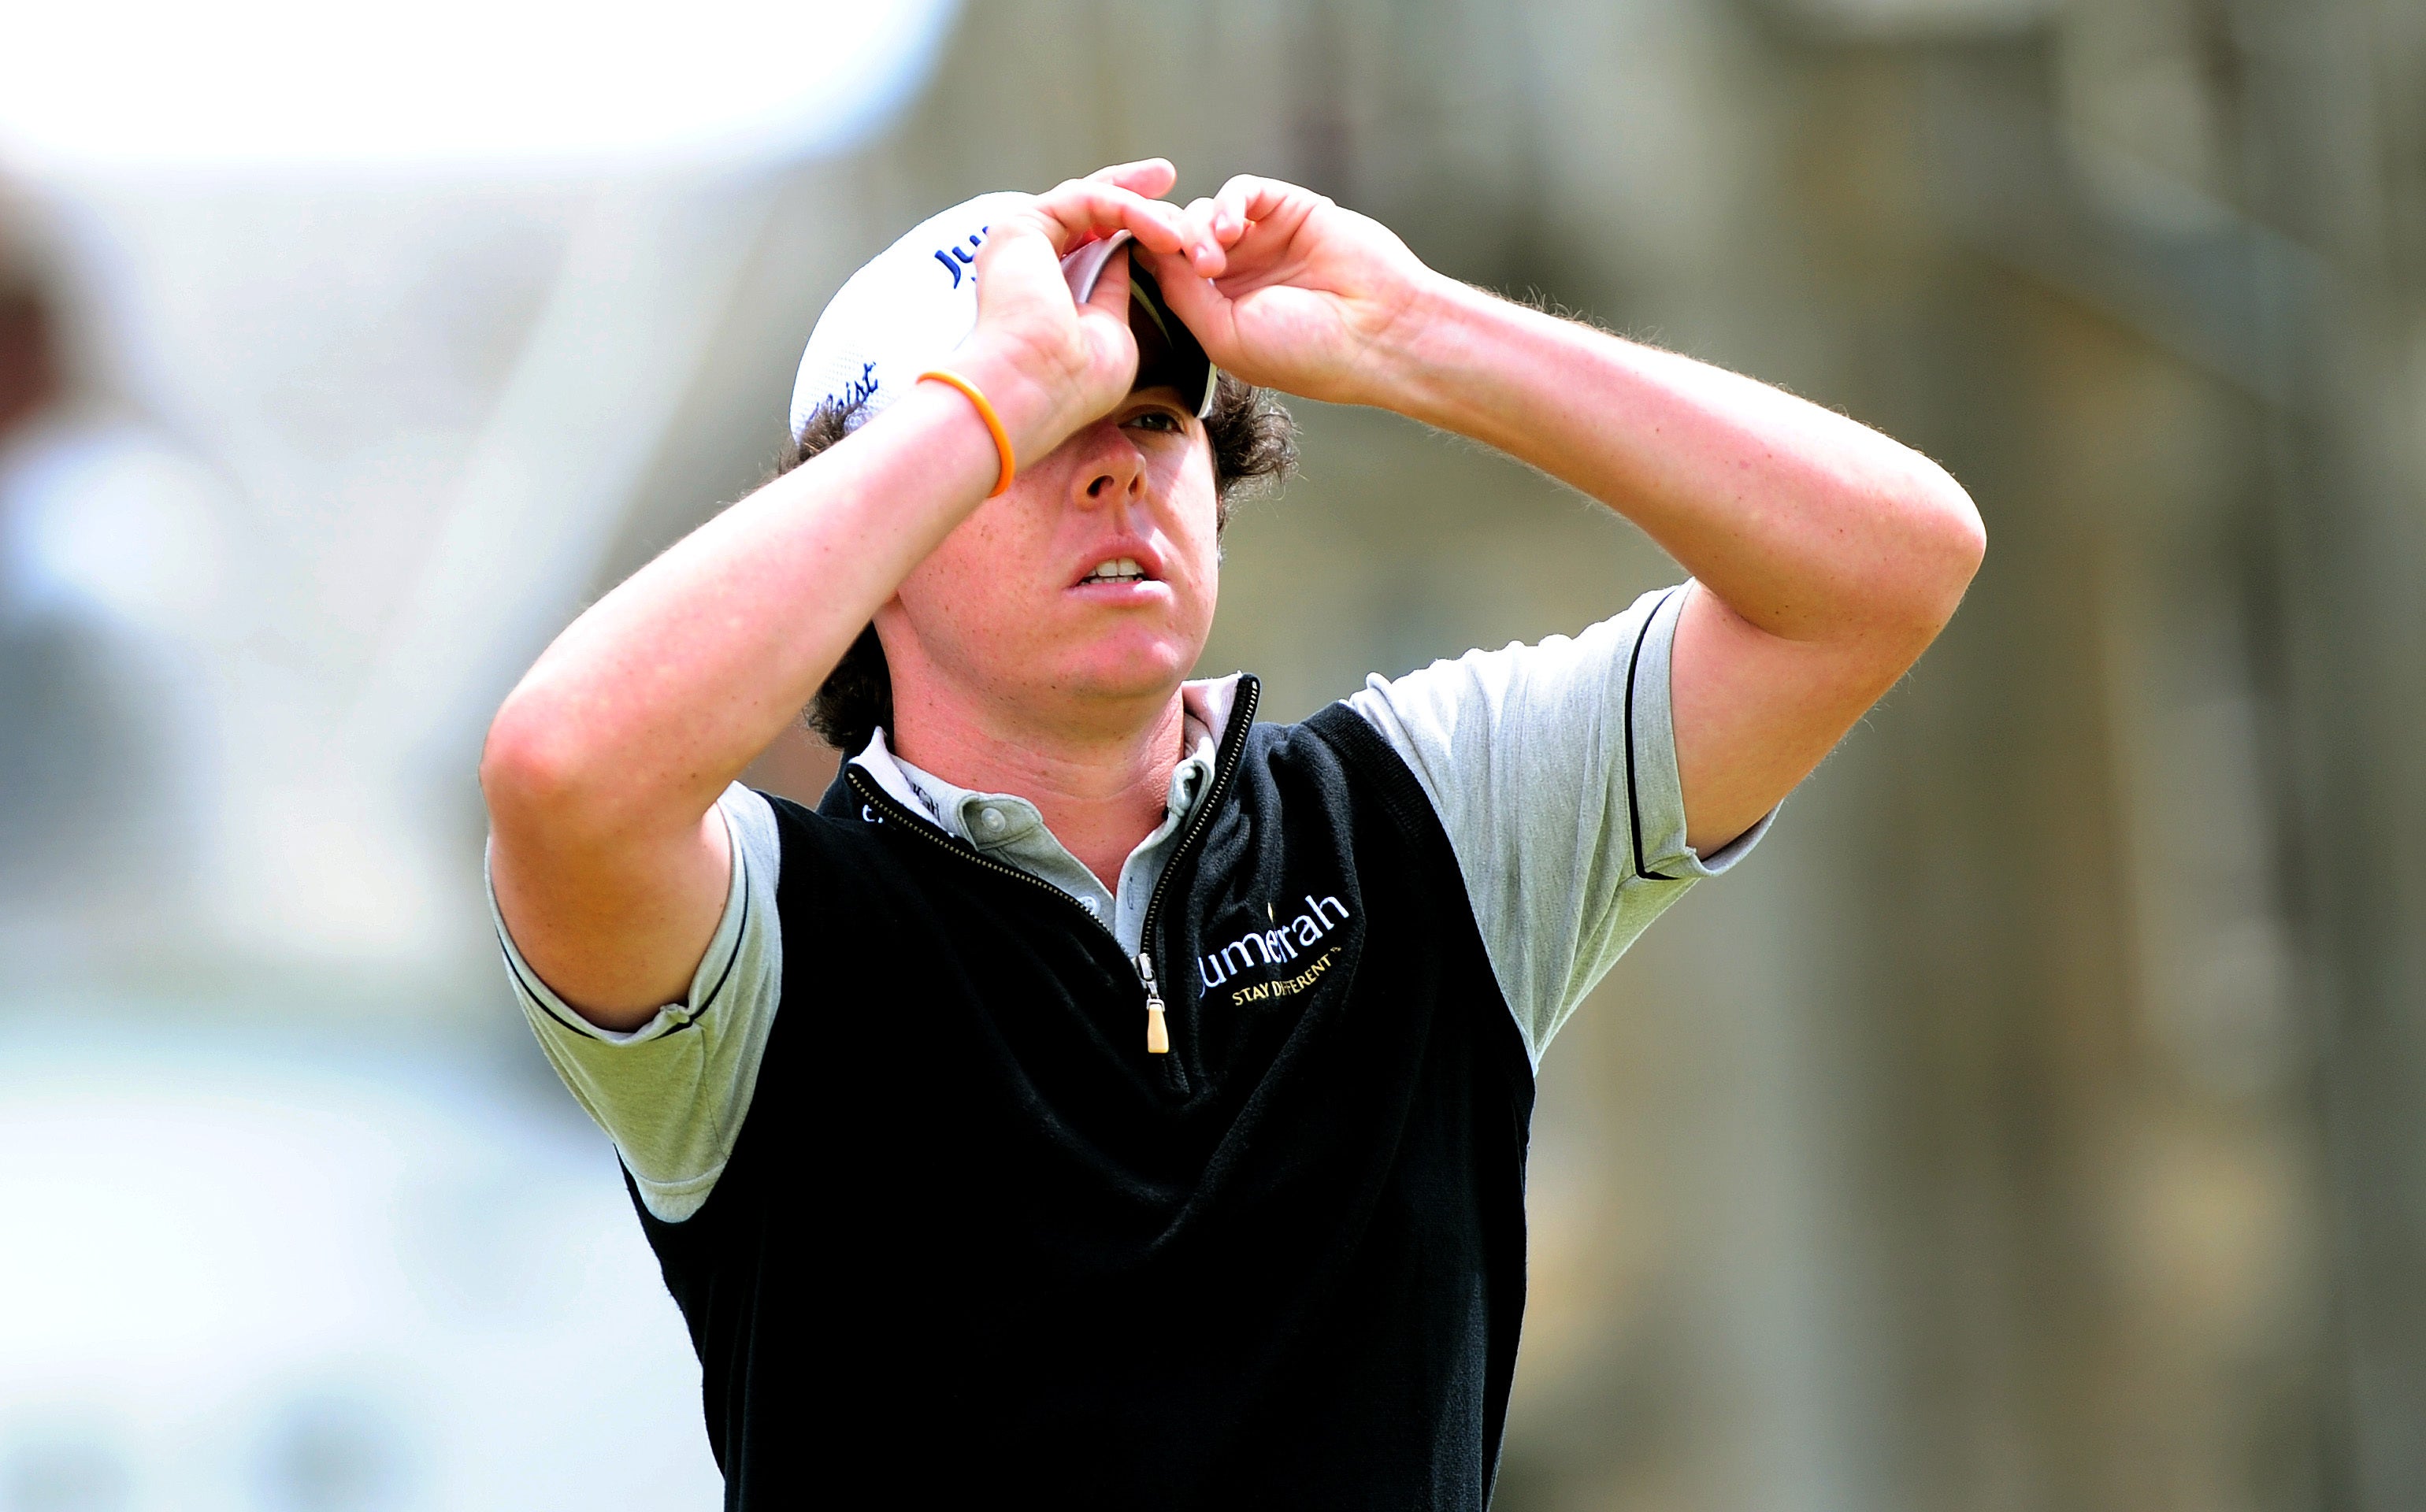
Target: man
x,y
1101,1095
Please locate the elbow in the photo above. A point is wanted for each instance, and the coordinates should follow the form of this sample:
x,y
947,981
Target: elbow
x,y
556,783
1961,546
533,772
1945,543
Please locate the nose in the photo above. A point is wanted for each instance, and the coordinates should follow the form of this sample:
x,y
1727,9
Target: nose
x,y
1115,471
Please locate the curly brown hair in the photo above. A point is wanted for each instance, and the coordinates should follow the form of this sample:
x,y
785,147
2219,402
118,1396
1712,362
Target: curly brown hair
x,y
1254,440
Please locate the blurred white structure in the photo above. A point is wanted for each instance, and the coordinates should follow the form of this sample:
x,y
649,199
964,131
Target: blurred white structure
x,y
458,85
254,1271
380,326
373,328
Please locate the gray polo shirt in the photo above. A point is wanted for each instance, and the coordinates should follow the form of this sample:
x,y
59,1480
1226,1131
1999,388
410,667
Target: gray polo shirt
x,y
1007,827
1531,756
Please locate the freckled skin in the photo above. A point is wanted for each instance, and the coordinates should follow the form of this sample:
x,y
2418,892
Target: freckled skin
x,y
993,615
1825,557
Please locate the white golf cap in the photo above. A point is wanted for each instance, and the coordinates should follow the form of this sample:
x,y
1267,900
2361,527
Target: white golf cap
x,y
918,299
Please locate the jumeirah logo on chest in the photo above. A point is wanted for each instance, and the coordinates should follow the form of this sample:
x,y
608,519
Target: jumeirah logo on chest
x,y
1279,946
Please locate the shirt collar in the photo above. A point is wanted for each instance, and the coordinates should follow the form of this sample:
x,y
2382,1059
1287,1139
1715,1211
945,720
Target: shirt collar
x,y
1206,708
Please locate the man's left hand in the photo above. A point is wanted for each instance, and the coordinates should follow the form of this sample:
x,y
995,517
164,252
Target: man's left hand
x,y
1310,298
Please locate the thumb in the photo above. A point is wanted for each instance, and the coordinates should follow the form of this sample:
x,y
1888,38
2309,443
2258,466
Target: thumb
x,y
1105,318
1111,295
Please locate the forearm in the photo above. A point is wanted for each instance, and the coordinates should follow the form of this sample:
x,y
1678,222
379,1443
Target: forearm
x,y
656,697
1808,526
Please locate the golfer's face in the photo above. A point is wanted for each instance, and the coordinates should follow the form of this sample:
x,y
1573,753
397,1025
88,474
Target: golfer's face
x,y
1093,576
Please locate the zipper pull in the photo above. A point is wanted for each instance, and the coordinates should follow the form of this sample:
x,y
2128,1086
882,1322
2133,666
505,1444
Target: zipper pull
x,y
1157,1037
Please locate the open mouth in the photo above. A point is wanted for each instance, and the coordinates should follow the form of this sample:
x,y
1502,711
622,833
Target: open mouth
x,y
1117,570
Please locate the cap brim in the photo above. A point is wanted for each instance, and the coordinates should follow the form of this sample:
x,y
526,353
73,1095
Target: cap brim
x,y
1168,353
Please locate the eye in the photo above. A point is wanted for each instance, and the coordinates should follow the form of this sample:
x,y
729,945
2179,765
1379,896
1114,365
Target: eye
x,y
1161,420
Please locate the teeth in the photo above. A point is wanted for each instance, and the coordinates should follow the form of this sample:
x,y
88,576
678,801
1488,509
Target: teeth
x,y
1124,568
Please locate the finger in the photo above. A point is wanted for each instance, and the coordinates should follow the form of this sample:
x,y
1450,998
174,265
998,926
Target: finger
x,y
1150,176
1229,217
1248,199
1203,213
1082,210
1200,217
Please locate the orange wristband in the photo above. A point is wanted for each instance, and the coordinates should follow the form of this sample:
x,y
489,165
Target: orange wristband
x,y
992,424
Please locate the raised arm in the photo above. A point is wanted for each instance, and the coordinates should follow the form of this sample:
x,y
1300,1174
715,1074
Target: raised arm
x,y
604,765
1827,556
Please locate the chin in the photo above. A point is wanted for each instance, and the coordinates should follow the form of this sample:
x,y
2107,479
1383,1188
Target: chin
x,y
1128,671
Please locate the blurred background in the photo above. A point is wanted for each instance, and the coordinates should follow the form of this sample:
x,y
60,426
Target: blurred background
x,y
2034,1124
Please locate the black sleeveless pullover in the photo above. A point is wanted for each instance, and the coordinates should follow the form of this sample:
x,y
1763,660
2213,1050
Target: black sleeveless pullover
x,y
974,1242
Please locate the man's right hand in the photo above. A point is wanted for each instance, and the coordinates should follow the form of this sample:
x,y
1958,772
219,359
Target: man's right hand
x,y
603,766
1048,364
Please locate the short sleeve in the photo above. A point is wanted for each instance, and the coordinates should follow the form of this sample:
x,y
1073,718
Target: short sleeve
x,y
672,1093
1553,769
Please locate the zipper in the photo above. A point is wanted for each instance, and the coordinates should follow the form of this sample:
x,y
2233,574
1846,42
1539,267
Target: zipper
x,y
925,830
1157,1035
1157,1032
1242,718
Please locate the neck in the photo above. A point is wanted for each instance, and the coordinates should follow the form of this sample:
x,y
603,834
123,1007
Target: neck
x,y
1101,785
